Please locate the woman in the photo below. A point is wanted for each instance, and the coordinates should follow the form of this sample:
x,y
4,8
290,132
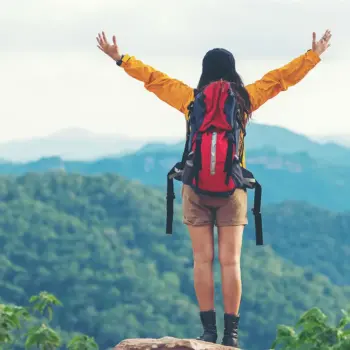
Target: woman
x,y
201,212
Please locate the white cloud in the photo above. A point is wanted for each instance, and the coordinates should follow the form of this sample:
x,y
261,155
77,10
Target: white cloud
x,y
248,27
53,76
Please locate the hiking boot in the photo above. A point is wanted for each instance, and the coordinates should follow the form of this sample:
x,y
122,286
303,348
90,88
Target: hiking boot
x,y
231,330
208,319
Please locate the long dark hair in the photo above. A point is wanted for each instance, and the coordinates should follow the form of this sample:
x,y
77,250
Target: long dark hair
x,y
220,64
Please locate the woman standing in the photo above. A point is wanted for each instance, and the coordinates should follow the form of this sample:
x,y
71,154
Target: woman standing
x,y
201,212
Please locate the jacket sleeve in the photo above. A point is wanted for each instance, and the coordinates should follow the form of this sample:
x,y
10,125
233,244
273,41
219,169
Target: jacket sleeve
x,y
272,83
174,92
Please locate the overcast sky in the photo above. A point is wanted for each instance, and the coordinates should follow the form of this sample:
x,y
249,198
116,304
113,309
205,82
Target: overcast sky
x,y
53,76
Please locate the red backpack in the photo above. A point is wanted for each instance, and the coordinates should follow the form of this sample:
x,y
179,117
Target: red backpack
x,y
212,158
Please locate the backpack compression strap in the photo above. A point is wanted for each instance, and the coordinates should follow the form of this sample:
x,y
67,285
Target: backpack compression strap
x,y
170,196
173,173
250,182
198,157
229,155
257,214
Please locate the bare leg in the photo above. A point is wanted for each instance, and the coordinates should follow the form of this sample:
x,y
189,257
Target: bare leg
x,y
203,255
230,244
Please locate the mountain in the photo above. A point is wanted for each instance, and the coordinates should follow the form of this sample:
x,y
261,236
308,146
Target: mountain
x,y
341,139
285,141
294,176
309,237
70,144
79,144
281,140
99,244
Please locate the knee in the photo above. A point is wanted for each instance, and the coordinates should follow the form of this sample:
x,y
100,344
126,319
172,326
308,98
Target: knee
x,y
229,259
204,257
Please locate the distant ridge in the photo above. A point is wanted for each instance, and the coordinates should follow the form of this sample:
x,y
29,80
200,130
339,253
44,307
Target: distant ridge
x,y
85,145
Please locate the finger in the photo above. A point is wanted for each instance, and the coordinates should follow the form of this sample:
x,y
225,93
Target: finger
x,y
327,34
313,37
99,41
104,37
114,40
326,40
100,48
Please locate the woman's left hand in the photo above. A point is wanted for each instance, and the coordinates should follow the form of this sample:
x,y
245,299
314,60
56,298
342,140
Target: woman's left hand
x,y
322,45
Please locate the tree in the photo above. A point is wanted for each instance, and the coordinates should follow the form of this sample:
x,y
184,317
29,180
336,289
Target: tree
x,y
82,342
10,319
41,336
312,332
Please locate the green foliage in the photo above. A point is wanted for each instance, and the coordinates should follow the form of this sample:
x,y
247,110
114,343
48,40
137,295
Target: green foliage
x,y
41,336
99,244
43,302
316,240
11,317
313,333
82,342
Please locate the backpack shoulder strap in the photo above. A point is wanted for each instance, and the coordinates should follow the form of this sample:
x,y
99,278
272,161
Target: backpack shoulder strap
x,y
185,151
173,172
196,92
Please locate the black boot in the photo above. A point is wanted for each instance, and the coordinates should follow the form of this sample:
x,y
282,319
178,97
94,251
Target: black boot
x,y
231,330
208,319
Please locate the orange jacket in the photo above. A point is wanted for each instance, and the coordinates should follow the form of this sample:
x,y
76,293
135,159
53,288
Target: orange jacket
x,y
179,95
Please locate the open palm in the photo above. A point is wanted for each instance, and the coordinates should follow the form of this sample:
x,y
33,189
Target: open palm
x,y
322,45
111,50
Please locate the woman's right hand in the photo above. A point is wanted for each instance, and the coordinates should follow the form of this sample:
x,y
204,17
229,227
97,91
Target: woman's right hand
x,y
111,50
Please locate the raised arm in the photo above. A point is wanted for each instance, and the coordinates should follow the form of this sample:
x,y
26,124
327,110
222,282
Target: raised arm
x,y
172,91
272,83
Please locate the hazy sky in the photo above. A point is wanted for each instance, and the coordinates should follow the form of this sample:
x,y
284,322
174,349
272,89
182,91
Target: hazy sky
x,y
53,76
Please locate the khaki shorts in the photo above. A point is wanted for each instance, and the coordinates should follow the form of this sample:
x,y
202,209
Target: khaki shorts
x,y
201,210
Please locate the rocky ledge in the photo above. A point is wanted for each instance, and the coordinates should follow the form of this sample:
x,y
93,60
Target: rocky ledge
x,y
169,343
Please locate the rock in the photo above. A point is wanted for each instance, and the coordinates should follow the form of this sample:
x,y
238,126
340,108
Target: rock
x,y
169,343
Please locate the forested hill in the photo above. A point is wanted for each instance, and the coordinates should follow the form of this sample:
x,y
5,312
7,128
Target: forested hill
x,y
294,176
99,244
